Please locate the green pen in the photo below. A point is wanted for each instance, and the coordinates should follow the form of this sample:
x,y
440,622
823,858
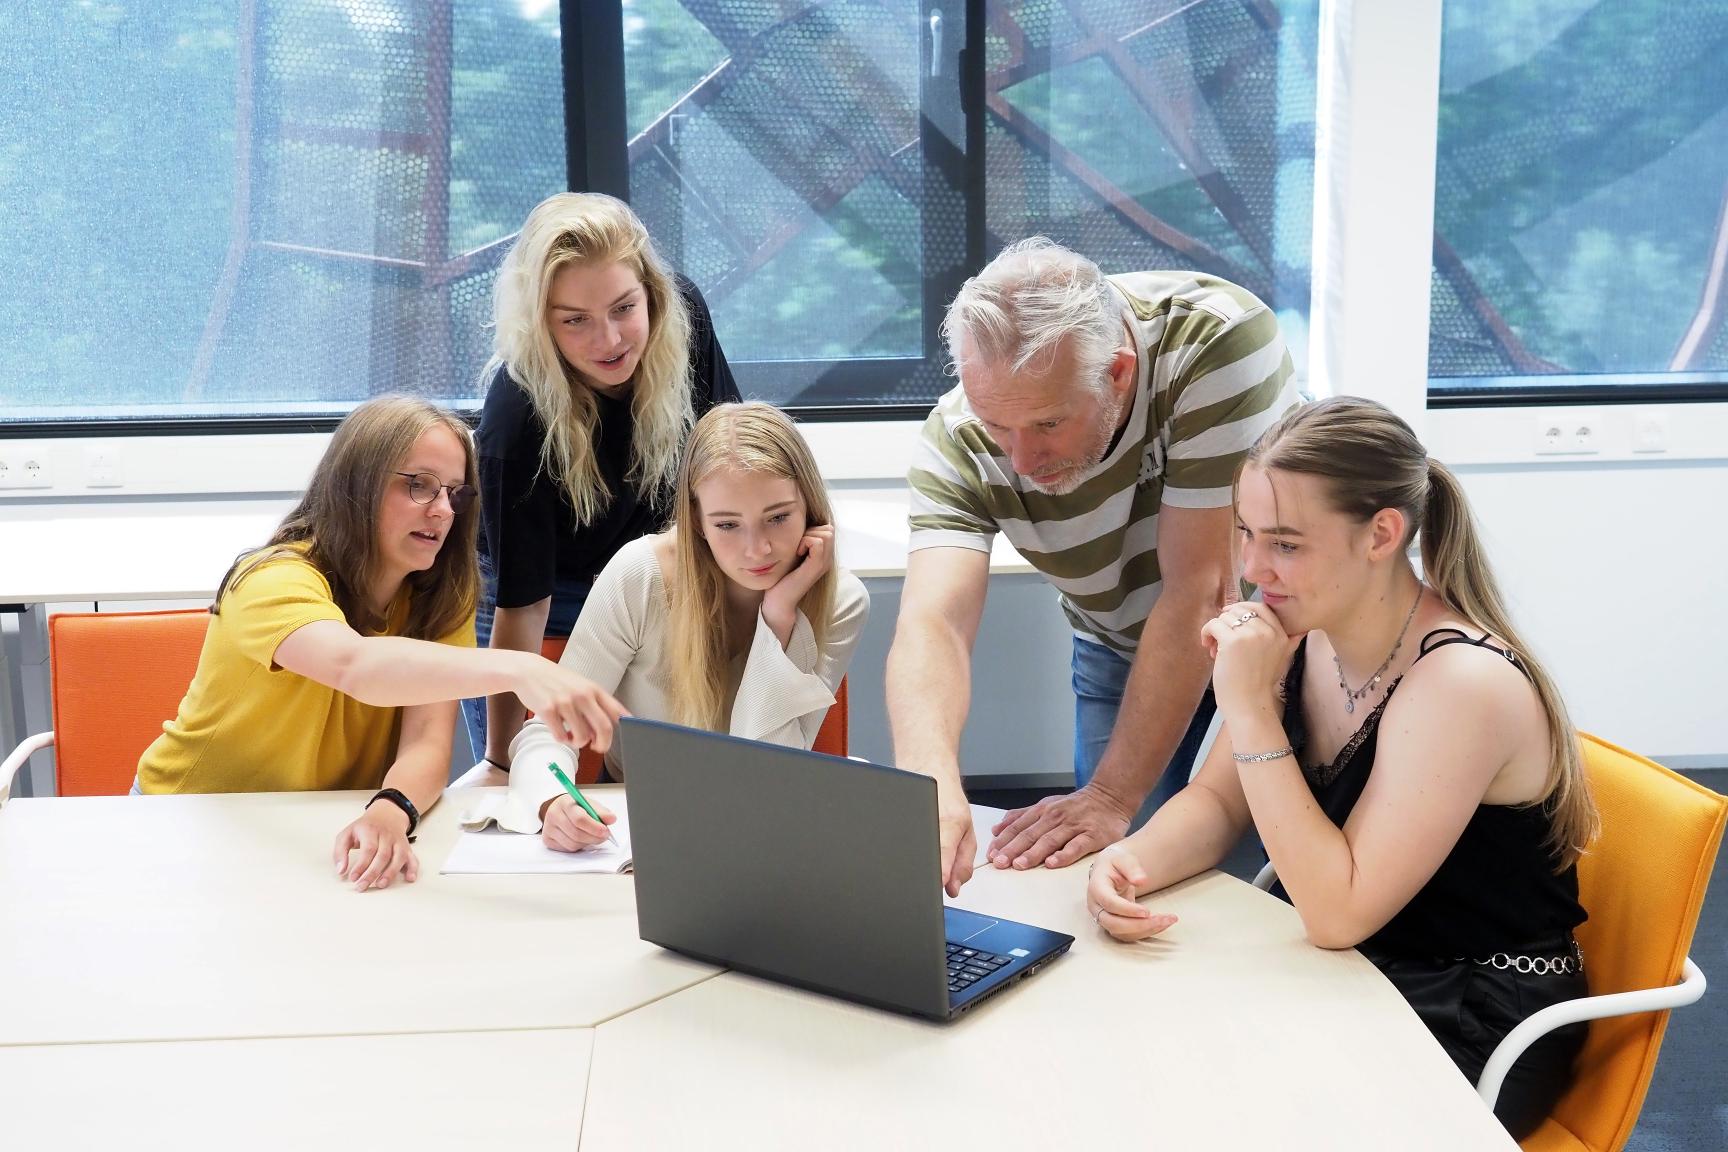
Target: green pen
x,y
581,800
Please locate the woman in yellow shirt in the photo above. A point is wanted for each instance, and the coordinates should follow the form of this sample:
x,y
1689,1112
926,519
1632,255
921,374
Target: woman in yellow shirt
x,y
337,653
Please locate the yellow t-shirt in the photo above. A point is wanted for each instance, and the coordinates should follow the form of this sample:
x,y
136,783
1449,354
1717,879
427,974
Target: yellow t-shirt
x,y
247,725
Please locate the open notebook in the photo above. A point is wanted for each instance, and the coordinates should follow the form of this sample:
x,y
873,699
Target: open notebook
x,y
494,851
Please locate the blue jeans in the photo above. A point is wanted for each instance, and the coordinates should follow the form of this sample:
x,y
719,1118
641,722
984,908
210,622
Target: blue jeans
x,y
568,596
1100,675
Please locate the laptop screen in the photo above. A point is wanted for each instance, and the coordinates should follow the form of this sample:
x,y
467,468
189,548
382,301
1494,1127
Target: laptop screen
x,y
808,868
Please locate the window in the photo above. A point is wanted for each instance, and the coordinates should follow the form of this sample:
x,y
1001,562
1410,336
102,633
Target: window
x,y
803,164
814,173
1581,228
239,209
246,210
1160,136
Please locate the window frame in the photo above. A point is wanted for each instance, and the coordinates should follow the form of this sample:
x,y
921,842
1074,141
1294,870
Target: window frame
x,y
1573,389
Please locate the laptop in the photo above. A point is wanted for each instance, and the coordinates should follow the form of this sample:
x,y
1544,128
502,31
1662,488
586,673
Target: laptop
x,y
812,870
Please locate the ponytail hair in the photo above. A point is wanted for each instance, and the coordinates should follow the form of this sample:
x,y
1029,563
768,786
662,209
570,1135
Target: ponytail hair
x,y
1367,459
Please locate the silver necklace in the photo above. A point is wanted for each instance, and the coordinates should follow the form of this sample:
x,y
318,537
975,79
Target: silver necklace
x,y
1351,695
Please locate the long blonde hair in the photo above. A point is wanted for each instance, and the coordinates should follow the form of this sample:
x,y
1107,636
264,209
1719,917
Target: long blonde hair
x,y
587,228
335,524
749,437
1368,459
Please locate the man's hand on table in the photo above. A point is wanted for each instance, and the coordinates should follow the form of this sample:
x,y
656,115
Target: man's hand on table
x,y
1059,830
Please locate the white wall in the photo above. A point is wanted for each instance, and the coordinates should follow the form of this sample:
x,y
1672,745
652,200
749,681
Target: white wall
x,y
1616,567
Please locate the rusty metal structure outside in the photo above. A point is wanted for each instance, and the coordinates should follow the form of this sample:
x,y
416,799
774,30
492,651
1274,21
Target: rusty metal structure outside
x,y
799,91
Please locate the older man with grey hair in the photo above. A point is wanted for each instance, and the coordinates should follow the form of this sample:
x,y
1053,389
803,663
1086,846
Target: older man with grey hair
x,y
1098,424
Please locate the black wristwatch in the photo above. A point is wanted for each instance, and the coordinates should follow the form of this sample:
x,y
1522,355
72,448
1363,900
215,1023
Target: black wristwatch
x,y
396,797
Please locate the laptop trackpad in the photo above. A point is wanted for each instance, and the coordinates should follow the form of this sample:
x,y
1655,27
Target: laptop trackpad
x,y
969,928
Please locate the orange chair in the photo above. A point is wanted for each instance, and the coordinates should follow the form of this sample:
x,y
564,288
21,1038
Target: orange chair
x,y
831,738
1643,884
115,679
588,762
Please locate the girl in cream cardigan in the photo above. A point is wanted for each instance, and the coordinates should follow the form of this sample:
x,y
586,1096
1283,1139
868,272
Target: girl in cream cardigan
x,y
736,619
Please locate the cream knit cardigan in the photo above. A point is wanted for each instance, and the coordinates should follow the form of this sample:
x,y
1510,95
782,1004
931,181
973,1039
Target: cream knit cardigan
x,y
779,695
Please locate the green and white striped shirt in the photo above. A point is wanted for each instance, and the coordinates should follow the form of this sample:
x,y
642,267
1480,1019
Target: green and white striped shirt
x,y
1213,375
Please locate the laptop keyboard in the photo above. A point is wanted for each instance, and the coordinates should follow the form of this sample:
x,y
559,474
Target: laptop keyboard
x,y
967,966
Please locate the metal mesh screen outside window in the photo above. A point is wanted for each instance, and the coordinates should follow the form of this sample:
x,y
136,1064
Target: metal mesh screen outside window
x,y
264,206
1580,217
1160,135
249,207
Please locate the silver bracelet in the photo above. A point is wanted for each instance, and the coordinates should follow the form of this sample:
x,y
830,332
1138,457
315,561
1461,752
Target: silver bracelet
x,y
1256,757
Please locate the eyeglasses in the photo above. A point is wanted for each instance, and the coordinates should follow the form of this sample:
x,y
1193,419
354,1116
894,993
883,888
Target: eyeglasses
x,y
423,488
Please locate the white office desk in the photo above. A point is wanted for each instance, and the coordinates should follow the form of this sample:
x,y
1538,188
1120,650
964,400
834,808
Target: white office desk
x,y
1228,1032
127,554
164,552
873,532
454,1092
197,917
156,553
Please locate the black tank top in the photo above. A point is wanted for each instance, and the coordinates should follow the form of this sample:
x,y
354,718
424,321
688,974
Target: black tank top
x,y
1496,891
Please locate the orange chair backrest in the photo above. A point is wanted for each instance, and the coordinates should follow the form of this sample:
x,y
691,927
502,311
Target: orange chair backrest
x,y
830,738
1643,884
116,678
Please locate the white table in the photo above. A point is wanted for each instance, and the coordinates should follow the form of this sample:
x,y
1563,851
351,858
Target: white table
x,y
1229,1031
199,917
166,555
439,1093
127,554
165,920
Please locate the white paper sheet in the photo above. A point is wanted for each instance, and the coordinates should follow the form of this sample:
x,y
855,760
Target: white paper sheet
x,y
497,852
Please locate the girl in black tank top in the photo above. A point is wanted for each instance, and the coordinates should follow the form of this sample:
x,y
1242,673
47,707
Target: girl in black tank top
x,y
1471,968
1423,801
1501,849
